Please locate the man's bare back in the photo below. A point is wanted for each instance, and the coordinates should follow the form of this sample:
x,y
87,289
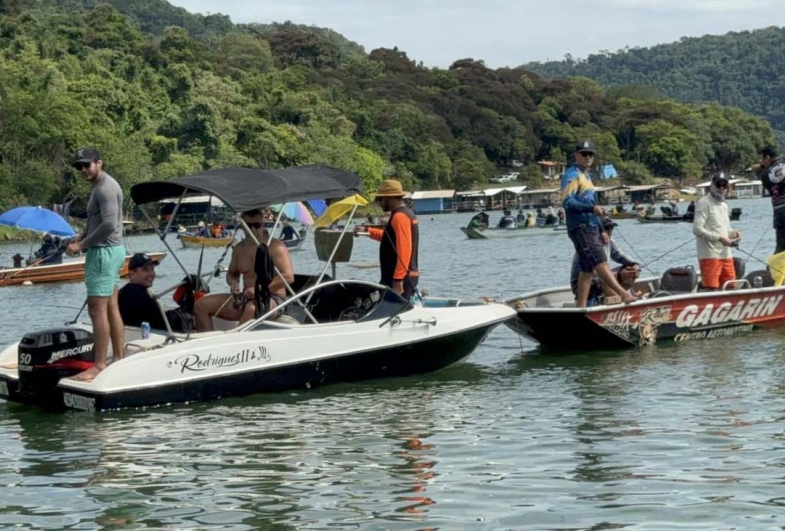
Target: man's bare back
x,y
241,269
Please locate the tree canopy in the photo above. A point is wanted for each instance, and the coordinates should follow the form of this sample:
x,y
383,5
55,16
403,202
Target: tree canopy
x,y
738,69
164,93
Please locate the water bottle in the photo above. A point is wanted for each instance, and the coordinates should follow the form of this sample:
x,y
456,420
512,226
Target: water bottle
x,y
145,330
757,282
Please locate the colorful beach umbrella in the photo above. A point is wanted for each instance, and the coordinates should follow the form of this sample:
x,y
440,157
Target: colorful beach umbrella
x,y
295,211
37,219
338,210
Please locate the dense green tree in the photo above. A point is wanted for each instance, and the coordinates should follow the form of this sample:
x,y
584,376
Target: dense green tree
x,y
164,93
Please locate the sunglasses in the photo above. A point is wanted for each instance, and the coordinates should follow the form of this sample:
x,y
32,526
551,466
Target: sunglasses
x,y
255,225
82,165
586,154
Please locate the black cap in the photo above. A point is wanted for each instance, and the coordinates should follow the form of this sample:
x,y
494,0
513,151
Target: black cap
x,y
585,145
719,178
608,224
141,260
86,154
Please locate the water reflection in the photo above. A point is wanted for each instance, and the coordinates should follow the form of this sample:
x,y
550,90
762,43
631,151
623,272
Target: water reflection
x,y
673,437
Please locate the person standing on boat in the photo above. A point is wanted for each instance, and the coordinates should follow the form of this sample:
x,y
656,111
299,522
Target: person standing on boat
x,y
585,227
771,172
626,274
399,241
103,240
714,235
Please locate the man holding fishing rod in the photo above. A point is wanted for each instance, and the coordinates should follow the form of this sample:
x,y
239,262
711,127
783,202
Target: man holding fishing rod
x,y
714,235
585,227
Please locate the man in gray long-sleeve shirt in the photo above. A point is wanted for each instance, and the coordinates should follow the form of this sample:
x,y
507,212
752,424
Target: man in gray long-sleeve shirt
x,y
105,256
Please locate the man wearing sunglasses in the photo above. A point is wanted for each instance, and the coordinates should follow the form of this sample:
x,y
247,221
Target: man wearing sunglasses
x,y
103,241
714,235
585,227
242,307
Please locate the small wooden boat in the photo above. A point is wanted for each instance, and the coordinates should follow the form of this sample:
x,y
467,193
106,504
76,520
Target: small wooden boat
x,y
493,232
195,242
69,270
664,219
625,215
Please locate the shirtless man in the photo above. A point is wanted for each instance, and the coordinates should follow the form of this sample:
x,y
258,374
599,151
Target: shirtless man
x,y
242,267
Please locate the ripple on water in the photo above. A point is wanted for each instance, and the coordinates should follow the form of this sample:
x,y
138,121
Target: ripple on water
x,y
673,437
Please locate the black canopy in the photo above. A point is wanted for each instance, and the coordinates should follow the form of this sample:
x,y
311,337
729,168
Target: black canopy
x,y
245,189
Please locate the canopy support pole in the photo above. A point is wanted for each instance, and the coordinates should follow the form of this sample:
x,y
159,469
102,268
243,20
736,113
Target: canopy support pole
x,y
163,236
249,233
172,217
332,255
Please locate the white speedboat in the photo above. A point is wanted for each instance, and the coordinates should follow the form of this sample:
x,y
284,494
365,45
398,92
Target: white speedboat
x,y
347,330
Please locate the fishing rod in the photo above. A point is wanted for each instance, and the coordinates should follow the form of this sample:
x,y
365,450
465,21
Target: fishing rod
x,y
647,264
769,266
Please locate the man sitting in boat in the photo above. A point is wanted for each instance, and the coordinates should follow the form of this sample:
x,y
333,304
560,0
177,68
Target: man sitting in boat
x,y
288,232
626,273
219,231
480,221
550,217
521,217
239,304
137,306
202,230
507,221
530,221
49,253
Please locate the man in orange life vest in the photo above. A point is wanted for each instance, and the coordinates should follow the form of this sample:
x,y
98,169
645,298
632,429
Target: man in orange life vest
x,y
399,240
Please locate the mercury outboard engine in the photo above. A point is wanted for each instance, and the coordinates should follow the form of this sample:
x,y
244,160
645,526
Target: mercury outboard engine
x,y
49,355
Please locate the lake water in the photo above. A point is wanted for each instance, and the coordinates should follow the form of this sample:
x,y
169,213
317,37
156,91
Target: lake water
x,y
687,436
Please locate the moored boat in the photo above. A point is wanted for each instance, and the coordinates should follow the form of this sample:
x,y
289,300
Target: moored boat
x,y
189,241
69,270
493,232
672,309
325,332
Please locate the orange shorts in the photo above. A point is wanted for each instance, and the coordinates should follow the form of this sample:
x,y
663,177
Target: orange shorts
x,y
716,271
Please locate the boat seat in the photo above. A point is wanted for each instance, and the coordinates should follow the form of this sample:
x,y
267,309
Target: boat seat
x,y
765,276
679,280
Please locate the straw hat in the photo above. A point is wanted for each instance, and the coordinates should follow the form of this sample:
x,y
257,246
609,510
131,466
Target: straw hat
x,y
390,188
200,224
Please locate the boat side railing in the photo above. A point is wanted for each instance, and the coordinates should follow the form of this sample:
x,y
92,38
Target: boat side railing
x,y
297,299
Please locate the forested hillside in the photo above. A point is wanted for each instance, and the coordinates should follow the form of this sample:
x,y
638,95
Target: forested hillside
x,y
740,69
165,93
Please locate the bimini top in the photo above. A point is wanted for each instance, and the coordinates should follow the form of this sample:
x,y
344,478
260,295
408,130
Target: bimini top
x,y
245,188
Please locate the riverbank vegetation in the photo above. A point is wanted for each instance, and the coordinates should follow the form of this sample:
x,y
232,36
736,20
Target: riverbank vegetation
x,y
164,93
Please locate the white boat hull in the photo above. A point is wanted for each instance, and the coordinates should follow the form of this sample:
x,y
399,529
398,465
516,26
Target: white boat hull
x,y
276,357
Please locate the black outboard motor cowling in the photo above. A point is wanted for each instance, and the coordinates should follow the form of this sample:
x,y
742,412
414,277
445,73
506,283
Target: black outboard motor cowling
x,y
49,355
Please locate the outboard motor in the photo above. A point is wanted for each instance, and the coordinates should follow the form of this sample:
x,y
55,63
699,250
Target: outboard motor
x,y
49,355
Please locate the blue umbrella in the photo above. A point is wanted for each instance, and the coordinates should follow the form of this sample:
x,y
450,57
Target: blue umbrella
x,y
37,219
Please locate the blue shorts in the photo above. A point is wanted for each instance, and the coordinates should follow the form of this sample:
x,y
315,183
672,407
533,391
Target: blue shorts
x,y
102,270
589,247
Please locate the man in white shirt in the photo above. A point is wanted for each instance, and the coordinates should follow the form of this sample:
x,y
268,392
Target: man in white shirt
x,y
714,235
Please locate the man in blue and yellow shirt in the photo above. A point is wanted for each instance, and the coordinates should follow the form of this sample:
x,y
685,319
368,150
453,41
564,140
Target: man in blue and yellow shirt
x,y
585,227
